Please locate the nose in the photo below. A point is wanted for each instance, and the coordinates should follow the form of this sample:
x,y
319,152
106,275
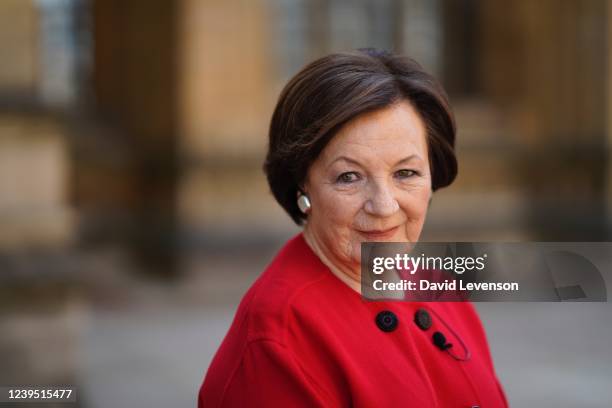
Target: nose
x,y
381,202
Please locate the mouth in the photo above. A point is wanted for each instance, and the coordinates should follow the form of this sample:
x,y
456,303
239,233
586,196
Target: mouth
x,y
372,235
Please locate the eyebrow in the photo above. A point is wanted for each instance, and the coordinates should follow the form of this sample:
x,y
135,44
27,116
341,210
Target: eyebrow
x,y
355,162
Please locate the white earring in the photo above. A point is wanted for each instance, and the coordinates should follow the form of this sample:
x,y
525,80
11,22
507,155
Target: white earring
x,y
303,203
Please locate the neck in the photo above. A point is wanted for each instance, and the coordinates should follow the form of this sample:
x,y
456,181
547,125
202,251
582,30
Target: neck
x,y
349,276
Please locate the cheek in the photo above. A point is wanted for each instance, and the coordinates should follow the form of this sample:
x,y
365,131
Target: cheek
x,y
334,218
339,208
415,199
415,206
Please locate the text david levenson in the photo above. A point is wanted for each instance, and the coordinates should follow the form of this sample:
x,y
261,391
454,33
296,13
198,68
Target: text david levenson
x,y
412,264
424,284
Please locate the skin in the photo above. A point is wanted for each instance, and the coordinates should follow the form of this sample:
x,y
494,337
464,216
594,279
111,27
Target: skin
x,y
372,182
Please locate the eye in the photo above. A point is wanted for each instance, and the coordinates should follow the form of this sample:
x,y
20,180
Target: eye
x,y
348,177
405,173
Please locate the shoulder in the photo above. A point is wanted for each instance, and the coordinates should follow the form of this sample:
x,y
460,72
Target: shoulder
x,y
261,342
295,284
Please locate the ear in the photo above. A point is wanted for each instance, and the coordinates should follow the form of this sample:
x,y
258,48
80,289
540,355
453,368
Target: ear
x,y
301,188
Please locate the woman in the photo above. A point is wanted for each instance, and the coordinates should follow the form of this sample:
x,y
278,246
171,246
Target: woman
x,y
358,143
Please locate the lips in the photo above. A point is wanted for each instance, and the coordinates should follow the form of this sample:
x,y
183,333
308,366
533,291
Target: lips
x,y
378,234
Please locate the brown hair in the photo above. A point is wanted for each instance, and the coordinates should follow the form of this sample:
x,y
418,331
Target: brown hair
x,y
334,89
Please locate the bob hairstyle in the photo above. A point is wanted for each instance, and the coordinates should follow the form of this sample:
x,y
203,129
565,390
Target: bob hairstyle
x,y
332,90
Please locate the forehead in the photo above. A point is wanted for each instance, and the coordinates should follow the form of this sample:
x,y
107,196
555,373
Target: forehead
x,y
391,132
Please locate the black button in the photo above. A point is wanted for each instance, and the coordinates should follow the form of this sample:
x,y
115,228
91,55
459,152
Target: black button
x,y
422,319
386,321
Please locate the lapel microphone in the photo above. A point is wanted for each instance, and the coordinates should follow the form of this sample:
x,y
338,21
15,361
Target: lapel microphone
x,y
440,341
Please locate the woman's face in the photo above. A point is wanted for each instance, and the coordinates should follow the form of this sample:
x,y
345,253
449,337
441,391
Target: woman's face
x,y
371,183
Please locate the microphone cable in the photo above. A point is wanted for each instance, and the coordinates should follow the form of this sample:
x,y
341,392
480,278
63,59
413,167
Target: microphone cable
x,y
440,340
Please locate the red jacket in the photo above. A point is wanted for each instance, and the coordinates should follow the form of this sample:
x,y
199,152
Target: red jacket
x,y
303,338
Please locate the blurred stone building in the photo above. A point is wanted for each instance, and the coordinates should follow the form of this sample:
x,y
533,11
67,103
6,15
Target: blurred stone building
x,y
144,122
